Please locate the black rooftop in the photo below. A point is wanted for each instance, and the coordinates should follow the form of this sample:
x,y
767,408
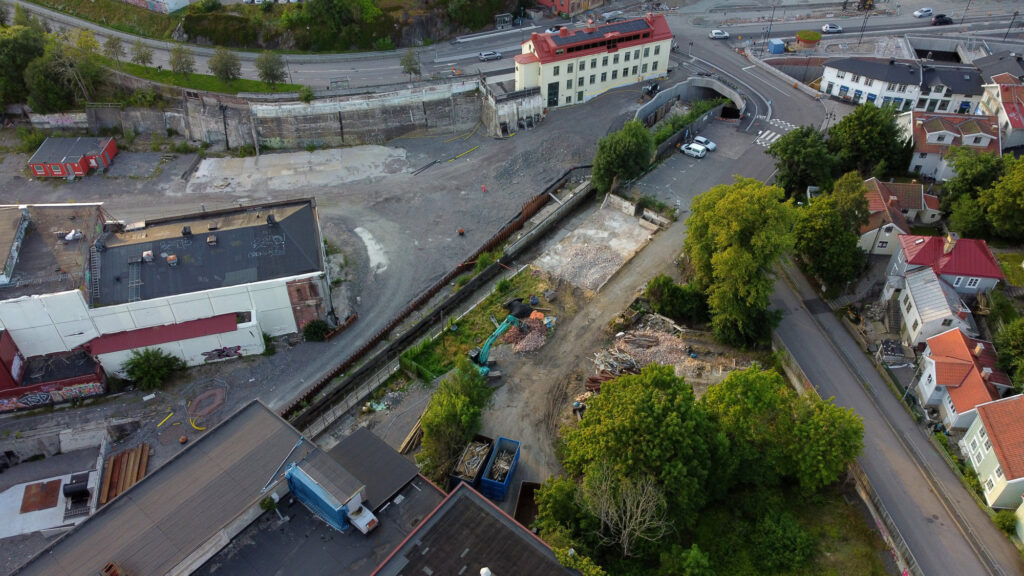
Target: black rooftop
x,y
58,367
966,81
220,248
467,533
884,70
1005,62
626,27
382,470
57,150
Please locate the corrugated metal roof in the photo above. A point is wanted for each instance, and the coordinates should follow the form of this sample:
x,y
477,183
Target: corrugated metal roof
x,y
156,335
330,475
575,37
60,150
182,505
934,299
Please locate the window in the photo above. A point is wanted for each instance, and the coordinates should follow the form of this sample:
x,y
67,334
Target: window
x,y
943,105
949,399
635,70
568,99
883,244
914,327
657,49
958,281
840,74
636,54
593,78
922,102
58,170
971,283
910,305
568,83
625,72
604,76
654,66
647,52
940,138
903,88
977,139
579,96
604,61
615,74
644,68
999,472
568,68
983,433
593,62
938,89
989,485
947,322
39,170
892,86
615,59
974,444
922,155
855,78
868,82
976,458
626,59
988,445
906,300
555,71
579,82
583,65
888,229
929,378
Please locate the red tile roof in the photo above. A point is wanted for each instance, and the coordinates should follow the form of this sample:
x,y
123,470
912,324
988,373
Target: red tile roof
x,y
960,125
526,58
1012,99
1005,78
1004,423
960,367
969,257
162,334
546,46
931,201
886,201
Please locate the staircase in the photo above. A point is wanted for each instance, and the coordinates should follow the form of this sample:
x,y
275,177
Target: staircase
x,y
94,274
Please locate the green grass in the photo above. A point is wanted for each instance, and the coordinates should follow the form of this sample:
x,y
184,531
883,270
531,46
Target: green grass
x,y
1010,262
199,81
438,356
118,15
925,231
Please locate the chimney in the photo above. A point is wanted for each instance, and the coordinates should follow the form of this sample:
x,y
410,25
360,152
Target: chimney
x,y
986,373
485,571
979,348
271,220
951,239
186,230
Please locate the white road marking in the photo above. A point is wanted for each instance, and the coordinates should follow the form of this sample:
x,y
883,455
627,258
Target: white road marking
x,y
378,258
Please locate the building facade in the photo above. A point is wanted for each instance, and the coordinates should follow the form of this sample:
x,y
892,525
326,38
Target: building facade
x,y
71,157
966,264
880,82
930,306
573,66
995,444
1004,99
935,133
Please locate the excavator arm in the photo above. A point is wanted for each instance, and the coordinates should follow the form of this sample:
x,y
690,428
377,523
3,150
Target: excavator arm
x,y
480,355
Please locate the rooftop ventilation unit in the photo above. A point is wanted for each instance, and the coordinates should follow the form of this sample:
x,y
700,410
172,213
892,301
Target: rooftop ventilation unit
x,y
211,239
271,220
186,230
147,256
172,260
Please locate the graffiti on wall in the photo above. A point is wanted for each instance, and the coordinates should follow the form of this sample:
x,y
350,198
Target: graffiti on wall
x,y
222,353
46,398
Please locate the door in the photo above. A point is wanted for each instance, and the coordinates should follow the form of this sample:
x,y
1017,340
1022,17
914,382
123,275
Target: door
x,y
552,94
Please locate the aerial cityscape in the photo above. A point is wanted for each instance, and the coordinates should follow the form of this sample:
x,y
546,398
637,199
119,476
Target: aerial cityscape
x,y
512,287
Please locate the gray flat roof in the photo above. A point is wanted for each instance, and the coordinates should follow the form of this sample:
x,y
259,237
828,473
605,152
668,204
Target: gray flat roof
x,y
466,533
247,249
382,470
60,150
330,475
180,506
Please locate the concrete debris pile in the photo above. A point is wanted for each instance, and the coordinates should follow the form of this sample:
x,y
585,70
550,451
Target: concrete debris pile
x,y
616,363
502,463
472,459
651,347
532,339
590,265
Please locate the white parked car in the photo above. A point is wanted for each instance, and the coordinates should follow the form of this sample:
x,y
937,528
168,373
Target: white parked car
x,y
694,150
831,29
711,146
553,30
922,13
485,56
718,34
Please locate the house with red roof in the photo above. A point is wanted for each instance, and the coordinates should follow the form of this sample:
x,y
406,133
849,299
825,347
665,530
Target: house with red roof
x,y
995,444
573,66
893,207
958,373
934,133
1004,99
966,264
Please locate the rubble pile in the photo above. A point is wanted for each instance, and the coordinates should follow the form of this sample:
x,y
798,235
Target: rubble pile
x,y
502,462
532,339
472,459
651,347
615,362
588,266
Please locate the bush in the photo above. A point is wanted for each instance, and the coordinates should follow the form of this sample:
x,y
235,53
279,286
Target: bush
x,y
315,330
268,504
306,94
223,29
1006,520
29,139
683,303
677,123
780,543
269,348
151,367
484,261
452,418
503,285
808,35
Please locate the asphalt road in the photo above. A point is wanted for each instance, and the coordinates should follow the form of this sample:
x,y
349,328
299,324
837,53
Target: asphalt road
x,y
942,525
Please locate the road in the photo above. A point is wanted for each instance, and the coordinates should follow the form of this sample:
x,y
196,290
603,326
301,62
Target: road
x,y
942,525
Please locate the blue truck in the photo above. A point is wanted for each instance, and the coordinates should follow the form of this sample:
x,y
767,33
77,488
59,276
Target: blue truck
x,y
500,469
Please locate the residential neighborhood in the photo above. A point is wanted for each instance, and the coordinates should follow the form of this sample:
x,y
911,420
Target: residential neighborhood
x,y
368,287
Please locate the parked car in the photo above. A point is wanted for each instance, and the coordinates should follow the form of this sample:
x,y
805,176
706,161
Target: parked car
x,y
553,29
718,34
485,56
831,29
941,20
694,150
922,12
711,146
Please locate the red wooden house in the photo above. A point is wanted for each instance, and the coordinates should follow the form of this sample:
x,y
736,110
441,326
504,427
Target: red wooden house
x,y
64,157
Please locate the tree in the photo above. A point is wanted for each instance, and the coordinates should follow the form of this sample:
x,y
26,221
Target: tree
x,y
315,330
151,367
967,218
622,155
452,417
23,18
867,136
270,68
113,48
680,561
826,438
630,511
411,63
568,558
47,90
830,249
1010,345
141,54
851,201
182,61
1003,203
19,45
224,64
780,543
680,446
682,303
802,159
975,171
737,232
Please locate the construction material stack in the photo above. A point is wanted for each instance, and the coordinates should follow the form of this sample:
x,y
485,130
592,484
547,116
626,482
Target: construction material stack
x,y
471,464
500,469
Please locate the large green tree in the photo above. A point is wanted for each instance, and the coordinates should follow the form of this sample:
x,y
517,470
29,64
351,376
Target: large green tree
x,y
681,449
1003,203
1010,345
113,48
967,218
736,234
19,45
975,171
224,64
622,155
826,438
802,159
851,201
866,137
830,248
48,90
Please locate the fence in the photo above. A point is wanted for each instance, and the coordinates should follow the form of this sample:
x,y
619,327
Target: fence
x,y
888,529
305,410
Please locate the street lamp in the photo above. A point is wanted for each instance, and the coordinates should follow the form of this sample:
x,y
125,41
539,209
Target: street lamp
x,y
863,25
964,15
1011,25
770,19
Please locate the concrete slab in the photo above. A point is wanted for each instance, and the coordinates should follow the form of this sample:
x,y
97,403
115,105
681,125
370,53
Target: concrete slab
x,y
590,255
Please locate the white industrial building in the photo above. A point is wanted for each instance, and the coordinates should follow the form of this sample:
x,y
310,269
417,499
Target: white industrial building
x,y
202,287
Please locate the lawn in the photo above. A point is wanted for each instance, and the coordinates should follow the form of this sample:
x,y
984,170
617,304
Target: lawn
x,y
118,15
200,81
1010,262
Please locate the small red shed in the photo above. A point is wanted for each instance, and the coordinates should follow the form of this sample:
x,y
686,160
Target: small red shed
x,y
64,157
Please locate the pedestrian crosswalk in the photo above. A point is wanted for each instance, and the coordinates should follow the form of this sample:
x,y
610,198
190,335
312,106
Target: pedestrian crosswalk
x,y
780,123
767,137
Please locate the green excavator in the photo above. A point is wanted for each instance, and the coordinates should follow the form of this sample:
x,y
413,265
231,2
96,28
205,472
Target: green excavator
x,y
517,312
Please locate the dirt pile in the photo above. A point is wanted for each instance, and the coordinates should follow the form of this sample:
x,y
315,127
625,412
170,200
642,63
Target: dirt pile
x,y
532,339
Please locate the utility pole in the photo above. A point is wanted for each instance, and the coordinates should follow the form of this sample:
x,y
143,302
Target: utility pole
x,y
770,19
863,25
1011,25
964,15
